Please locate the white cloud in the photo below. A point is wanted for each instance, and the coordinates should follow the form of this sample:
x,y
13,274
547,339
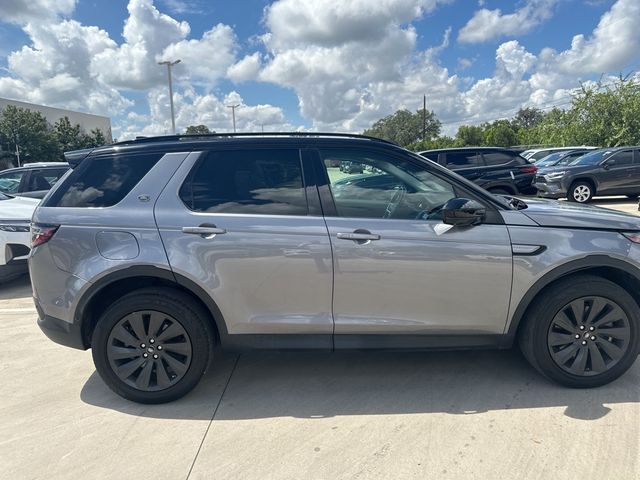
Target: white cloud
x,y
246,69
488,24
24,11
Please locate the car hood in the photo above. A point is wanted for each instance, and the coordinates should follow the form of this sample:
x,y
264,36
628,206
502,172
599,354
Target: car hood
x,y
18,208
563,168
552,213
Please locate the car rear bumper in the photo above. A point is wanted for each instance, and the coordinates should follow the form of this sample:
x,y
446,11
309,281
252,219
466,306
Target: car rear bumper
x,y
64,333
550,190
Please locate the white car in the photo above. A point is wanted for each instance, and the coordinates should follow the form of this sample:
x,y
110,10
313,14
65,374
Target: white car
x,y
536,154
15,238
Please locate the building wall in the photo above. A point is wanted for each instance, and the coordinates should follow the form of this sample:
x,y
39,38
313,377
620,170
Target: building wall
x,y
86,121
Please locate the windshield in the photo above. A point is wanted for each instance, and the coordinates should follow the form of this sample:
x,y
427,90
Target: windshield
x,y
592,158
550,160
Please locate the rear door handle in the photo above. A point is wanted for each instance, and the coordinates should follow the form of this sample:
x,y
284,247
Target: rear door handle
x,y
360,236
205,231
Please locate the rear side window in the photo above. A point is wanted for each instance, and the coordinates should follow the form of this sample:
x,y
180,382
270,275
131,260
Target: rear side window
x,y
260,181
44,179
103,181
463,159
493,159
624,158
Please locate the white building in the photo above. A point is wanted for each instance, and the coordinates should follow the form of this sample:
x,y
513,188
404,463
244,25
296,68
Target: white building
x,y
86,121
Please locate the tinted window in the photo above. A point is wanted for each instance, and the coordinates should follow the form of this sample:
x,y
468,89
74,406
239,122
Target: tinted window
x,y
247,181
10,181
592,158
462,159
44,179
385,189
623,159
103,181
497,158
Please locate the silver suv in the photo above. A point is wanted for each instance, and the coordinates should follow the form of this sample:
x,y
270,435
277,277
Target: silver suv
x,y
153,252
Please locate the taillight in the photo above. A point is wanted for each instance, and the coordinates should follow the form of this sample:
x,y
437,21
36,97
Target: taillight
x,y
529,169
42,233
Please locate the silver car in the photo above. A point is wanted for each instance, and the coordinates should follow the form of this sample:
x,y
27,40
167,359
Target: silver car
x,y
154,252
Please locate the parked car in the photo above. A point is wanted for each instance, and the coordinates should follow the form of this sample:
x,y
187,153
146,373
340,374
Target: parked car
x,y
33,179
613,171
15,240
536,154
560,158
499,170
151,252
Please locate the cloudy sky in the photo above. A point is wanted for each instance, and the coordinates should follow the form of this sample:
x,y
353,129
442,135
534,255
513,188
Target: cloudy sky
x,y
331,65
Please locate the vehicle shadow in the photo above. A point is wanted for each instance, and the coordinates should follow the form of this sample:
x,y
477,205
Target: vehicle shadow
x,y
319,385
16,288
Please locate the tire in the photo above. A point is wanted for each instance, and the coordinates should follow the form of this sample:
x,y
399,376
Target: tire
x,y
541,330
581,192
174,361
633,196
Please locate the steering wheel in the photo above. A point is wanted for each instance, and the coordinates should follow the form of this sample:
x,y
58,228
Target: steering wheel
x,y
395,201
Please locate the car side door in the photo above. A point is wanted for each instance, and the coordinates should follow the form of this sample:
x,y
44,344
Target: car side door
x,y
616,174
242,225
399,270
467,163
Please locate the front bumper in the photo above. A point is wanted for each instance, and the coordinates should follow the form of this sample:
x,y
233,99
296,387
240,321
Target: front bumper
x,y
551,190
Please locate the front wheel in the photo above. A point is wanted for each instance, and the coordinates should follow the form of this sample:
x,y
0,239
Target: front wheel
x,y
580,192
583,332
152,345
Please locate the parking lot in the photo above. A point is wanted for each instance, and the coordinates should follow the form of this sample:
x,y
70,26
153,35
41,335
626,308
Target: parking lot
x,y
479,414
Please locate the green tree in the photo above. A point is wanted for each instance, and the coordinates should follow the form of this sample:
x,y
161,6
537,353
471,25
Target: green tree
x,y
439,142
97,138
197,130
500,134
30,132
69,136
470,135
406,128
527,118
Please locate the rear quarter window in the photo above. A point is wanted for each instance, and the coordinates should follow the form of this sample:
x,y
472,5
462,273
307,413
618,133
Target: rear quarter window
x,y
493,159
103,181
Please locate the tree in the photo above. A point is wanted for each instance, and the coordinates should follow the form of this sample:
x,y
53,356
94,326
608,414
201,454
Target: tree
x,y
97,138
29,132
500,134
470,135
198,130
405,128
527,118
69,136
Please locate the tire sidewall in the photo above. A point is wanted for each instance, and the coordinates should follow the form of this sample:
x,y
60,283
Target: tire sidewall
x,y
200,344
552,305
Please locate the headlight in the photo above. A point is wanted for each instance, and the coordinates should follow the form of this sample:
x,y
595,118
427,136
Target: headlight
x,y
550,177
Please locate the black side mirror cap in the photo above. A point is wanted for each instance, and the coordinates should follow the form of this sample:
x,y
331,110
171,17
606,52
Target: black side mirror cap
x,y
463,212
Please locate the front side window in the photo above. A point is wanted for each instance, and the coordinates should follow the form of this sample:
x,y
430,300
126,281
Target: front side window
x,y
260,181
384,189
10,182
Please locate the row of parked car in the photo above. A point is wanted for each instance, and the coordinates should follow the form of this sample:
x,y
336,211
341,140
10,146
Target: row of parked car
x,y
575,173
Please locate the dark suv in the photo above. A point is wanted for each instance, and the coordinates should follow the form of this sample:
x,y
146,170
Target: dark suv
x,y
609,171
499,170
33,179
153,252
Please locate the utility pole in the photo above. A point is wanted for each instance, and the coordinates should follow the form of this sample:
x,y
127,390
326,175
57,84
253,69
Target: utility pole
x,y
233,114
170,64
424,118
18,149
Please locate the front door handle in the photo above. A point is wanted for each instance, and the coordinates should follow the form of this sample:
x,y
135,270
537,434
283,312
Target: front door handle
x,y
360,236
206,231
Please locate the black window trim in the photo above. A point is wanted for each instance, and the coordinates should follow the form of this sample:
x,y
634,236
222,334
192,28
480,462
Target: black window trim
x,y
313,205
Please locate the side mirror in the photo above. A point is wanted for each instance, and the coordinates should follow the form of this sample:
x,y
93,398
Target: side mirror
x,y
463,212
609,163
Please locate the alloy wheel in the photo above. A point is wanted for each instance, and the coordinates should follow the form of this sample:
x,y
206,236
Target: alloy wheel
x,y
588,336
149,350
581,193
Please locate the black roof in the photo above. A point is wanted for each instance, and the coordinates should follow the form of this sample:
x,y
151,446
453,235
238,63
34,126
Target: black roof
x,y
176,143
466,149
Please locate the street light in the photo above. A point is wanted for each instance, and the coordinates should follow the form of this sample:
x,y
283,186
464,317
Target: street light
x,y
170,64
233,114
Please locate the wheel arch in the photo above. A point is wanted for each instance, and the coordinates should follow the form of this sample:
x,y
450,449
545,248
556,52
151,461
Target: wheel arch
x,y
586,178
617,271
109,288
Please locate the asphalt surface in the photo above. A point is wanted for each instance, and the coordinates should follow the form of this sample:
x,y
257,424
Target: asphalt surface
x,y
355,415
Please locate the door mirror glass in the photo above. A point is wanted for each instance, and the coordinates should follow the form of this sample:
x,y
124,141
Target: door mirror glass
x,y
463,212
609,163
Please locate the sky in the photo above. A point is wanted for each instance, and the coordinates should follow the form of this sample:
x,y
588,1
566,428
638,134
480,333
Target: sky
x,y
322,65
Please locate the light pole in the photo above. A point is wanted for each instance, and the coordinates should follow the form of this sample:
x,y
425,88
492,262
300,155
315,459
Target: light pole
x,y
233,114
170,64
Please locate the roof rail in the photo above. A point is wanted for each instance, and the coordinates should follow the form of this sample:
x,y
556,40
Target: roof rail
x,y
169,138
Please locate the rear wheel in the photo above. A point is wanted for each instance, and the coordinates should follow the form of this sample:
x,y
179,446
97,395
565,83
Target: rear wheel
x,y
583,332
152,345
581,192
